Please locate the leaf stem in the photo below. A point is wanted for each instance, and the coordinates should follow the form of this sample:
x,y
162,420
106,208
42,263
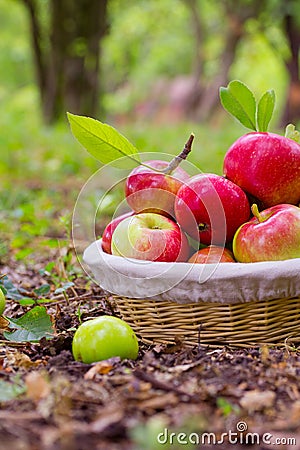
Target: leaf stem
x,y
174,163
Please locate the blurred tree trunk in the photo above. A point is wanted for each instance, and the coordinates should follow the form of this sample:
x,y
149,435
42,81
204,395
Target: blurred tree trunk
x,y
292,31
208,92
67,55
205,96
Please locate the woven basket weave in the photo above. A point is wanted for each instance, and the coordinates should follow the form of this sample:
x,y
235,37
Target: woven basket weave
x,y
241,325
232,304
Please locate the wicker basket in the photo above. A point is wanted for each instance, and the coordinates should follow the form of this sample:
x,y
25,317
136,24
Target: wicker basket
x,y
241,325
238,305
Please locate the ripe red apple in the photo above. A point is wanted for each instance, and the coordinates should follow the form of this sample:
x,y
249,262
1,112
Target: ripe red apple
x,y
109,229
271,235
151,237
267,166
211,255
210,208
147,190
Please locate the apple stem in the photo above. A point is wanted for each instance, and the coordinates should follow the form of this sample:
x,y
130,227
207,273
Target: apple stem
x,y
256,213
178,159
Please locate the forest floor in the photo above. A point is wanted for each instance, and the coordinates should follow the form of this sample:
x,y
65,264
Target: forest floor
x,y
171,397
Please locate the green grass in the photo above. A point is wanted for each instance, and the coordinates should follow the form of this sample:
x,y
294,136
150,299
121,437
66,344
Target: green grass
x,y
39,154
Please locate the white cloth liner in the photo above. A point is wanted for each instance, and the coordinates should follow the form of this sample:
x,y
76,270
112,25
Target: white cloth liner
x,y
187,283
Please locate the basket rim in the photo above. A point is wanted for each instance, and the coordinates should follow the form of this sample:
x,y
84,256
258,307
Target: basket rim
x,y
185,282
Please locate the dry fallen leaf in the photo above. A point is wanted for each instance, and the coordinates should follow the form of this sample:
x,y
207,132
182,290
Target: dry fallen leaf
x,y
265,354
257,400
110,416
18,359
37,386
158,402
294,417
101,368
4,324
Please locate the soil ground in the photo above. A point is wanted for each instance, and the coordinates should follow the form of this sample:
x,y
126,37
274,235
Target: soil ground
x,y
215,397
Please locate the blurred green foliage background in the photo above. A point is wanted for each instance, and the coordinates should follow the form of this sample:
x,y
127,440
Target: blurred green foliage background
x,y
148,42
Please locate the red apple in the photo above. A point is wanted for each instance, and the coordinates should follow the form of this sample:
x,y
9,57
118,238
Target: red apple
x,y
109,229
211,255
272,235
151,237
210,208
267,166
149,191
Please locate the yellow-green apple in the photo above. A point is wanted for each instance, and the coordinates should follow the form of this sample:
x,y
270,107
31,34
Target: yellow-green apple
x,y
212,254
150,236
109,229
271,235
102,338
148,190
267,166
210,208
2,302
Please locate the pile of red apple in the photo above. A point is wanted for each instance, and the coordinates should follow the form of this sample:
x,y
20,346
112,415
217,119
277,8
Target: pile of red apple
x,y
249,214
171,213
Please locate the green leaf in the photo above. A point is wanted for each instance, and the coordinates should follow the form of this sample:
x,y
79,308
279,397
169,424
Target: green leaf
x,y
42,290
11,291
265,109
27,302
102,141
64,288
239,101
31,327
10,390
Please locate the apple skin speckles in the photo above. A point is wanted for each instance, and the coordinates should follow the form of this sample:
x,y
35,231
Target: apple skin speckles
x,y
266,166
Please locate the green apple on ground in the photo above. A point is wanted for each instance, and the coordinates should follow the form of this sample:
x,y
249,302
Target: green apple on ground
x,y
102,338
271,235
212,254
2,302
151,237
